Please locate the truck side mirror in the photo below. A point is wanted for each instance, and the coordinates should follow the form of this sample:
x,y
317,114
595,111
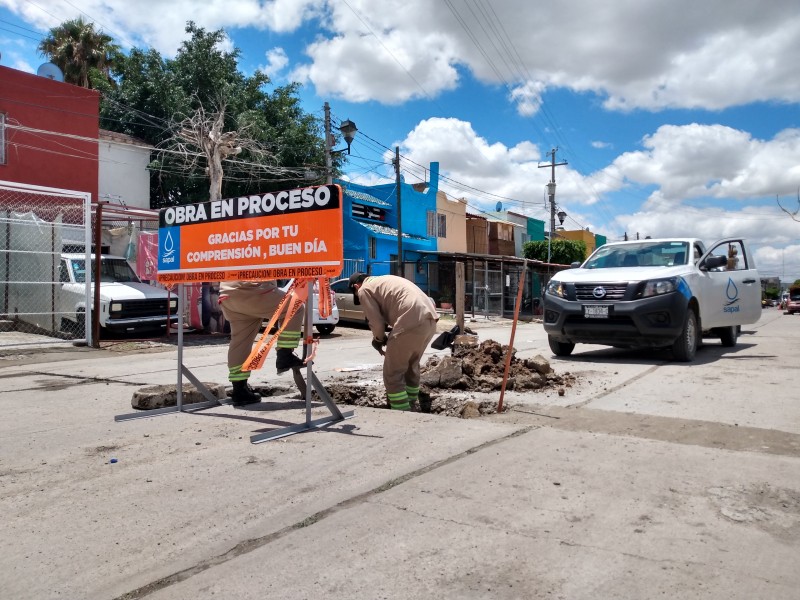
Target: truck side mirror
x,y
712,262
575,265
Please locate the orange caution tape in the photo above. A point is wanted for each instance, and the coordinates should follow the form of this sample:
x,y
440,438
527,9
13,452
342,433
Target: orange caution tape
x,y
324,303
293,301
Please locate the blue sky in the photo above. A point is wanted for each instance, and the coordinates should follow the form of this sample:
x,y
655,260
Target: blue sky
x,y
675,117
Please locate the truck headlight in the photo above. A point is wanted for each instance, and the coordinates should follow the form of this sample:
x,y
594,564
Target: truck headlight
x,y
657,287
556,288
116,307
173,304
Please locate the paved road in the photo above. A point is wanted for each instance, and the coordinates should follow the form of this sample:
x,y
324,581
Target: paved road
x,y
649,479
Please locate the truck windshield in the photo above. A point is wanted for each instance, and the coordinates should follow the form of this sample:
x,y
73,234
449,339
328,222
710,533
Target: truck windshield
x,y
111,270
644,254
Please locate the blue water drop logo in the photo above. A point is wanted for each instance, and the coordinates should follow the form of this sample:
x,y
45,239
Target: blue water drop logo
x,y
169,244
732,292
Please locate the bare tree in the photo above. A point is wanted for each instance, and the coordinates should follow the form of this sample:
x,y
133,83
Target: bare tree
x,y
792,214
199,141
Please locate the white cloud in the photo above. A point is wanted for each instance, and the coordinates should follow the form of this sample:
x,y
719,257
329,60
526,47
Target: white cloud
x,y
161,25
528,97
393,68
714,161
276,62
650,54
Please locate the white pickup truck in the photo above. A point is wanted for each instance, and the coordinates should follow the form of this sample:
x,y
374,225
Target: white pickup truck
x,y
654,293
126,303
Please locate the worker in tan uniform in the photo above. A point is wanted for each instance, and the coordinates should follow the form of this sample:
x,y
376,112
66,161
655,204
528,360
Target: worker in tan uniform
x,y
400,304
245,305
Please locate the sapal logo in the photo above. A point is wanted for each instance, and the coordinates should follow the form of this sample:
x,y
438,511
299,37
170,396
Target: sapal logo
x,y
732,293
168,253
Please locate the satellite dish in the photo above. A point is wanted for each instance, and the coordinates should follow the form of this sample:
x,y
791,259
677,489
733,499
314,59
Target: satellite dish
x,y
498,207
50,71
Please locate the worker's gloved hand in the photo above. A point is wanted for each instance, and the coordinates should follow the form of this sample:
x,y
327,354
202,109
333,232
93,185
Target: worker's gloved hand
x,y
378,345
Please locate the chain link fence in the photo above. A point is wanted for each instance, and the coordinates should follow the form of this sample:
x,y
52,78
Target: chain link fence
x,y
35,226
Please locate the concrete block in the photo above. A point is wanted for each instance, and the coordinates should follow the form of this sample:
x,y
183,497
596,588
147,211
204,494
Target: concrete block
x,y
160,396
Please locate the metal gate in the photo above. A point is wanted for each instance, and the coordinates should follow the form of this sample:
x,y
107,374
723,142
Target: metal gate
x,y
488,289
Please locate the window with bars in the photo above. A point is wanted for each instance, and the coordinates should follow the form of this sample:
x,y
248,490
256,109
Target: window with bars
x,y
437,224
373,248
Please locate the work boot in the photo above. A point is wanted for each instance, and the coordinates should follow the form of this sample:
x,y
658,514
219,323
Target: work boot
x,y
286,359
243,394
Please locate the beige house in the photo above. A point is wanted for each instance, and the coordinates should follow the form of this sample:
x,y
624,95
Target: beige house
x,y
451,220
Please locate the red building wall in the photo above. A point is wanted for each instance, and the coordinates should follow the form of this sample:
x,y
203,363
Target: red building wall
x,y
63,152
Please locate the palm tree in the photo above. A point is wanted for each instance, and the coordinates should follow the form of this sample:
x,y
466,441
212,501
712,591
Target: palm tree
x,y
78,49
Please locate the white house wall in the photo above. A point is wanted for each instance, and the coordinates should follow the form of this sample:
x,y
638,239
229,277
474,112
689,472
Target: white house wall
x,y
123,175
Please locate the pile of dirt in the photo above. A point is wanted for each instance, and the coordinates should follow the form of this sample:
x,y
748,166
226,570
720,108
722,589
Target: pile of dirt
x,y
451,385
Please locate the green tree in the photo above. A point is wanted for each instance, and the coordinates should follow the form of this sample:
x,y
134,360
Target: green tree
x,y
156,99
562,252
85,55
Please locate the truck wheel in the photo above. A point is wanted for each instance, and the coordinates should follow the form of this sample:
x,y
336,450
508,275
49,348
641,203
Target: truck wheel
x,y
685,347
325,329
80,324
729,335
68,326
560,348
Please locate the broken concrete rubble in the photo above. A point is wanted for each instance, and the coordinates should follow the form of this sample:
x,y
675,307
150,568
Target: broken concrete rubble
x,y
449,383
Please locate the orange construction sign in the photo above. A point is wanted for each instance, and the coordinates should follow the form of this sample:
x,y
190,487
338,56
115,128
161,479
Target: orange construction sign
x,y
278,235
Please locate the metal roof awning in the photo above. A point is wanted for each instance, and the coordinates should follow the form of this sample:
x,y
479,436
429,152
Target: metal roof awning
x,y
496,257
386,232
364,197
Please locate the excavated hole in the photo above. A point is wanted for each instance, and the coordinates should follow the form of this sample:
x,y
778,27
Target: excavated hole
x,y
450,384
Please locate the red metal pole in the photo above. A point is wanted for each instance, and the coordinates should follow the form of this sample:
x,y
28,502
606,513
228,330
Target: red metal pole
x,y
513,332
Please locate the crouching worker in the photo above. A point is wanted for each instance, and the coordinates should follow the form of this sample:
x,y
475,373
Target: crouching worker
x,y
245,305
400,304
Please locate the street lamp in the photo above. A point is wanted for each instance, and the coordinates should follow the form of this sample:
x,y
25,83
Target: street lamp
x,y
348,130
561,216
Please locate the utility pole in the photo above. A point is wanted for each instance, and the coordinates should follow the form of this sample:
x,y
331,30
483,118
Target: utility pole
x,y
396,163
328,146
551,193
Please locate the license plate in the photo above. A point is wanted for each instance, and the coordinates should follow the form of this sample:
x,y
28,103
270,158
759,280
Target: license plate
x,y
595,311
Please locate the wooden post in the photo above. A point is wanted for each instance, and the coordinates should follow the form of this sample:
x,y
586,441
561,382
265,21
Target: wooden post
x,y
460,296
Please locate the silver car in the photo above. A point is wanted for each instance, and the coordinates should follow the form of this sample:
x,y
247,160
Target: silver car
x,y
348,310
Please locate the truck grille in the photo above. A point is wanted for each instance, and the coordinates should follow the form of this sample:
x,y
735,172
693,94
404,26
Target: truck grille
x,y
614,291
132,309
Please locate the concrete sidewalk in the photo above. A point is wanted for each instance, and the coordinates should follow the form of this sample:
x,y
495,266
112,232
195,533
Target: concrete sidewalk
x,y
385,505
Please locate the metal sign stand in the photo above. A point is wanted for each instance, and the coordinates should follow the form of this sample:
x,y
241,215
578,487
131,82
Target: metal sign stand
x,y
212,401
335,416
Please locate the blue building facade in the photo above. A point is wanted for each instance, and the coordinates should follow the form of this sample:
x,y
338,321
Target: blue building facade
x,y
370,222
